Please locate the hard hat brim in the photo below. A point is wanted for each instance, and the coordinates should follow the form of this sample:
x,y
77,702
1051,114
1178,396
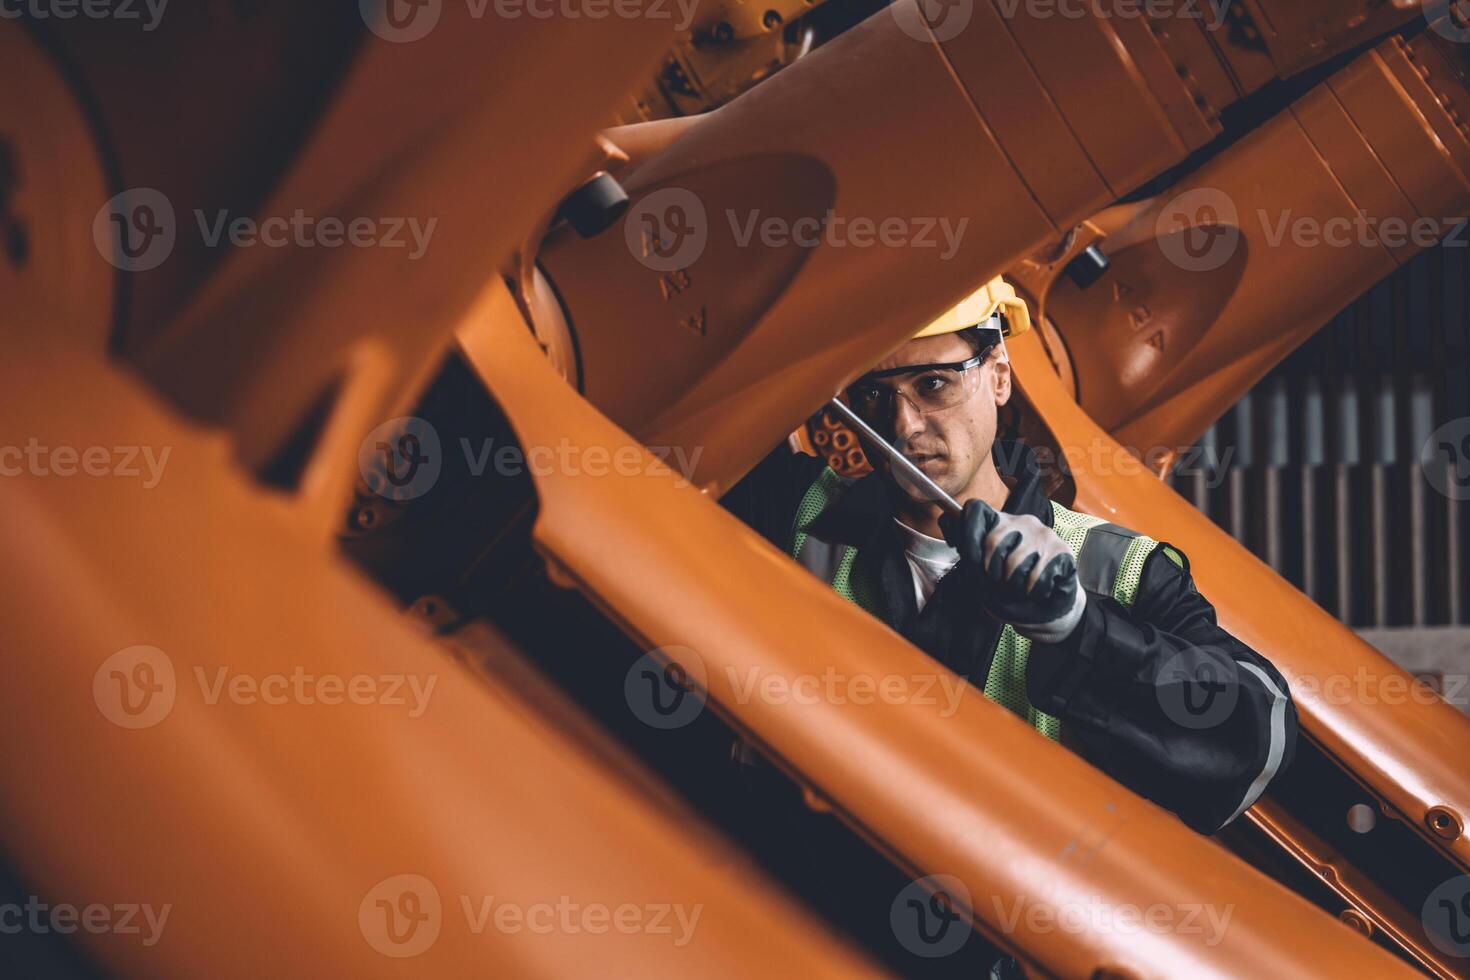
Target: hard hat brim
x,y
995,297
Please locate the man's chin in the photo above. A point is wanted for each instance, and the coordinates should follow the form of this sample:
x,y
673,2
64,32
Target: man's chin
x,y
935,469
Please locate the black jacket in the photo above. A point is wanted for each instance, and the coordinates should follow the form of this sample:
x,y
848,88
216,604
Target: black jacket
x,y
1157,695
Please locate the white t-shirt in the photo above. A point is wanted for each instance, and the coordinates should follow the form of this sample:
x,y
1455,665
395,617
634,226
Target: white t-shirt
x,y
929,559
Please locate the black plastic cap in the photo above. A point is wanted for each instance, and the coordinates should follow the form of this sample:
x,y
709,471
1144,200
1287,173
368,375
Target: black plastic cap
x,y
595,206
1088,267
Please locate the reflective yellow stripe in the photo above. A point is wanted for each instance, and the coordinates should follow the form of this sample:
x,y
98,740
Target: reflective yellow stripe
x,y
1005,684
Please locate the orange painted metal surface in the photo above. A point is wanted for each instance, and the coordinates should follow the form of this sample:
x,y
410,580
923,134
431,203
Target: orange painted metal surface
x,y
1214,281
800,147
273,831
1061,114
477,126
1301,33
293,837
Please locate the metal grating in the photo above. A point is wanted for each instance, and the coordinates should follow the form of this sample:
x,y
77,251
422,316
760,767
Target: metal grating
x,y
1318,468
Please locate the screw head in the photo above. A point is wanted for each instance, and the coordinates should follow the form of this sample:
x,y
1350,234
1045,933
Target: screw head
x,y
1444,822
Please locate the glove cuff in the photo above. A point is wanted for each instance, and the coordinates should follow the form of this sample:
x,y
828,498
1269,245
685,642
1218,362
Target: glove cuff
x,y
1058,629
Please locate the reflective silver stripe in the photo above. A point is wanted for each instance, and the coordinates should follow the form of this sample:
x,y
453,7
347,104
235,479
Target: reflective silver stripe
x,y
1101,557
821,558
1278,742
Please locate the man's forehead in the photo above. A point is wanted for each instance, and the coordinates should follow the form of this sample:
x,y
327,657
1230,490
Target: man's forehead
x,y
928,350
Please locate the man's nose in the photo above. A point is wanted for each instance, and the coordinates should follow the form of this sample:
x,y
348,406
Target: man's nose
x,y
907,422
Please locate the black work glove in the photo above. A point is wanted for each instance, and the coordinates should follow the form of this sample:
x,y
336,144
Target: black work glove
x,y
1027,575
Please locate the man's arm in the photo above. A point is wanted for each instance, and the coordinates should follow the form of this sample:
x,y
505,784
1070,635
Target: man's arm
x,y
1166,701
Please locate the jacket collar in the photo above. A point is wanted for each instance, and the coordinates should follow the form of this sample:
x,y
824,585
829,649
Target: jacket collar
x,y
864,514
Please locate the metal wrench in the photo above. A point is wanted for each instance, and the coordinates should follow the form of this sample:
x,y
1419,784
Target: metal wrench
x,y
898,459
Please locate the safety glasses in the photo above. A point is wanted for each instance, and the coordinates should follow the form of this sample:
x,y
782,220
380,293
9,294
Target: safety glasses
x,y
927,387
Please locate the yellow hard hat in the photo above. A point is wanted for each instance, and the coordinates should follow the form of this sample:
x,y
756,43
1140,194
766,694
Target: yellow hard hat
x,y
995,297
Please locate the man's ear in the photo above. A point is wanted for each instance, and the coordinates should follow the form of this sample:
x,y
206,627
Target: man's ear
x,y
1000,377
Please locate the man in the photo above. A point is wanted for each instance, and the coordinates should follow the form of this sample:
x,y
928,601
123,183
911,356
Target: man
x,y
1094,634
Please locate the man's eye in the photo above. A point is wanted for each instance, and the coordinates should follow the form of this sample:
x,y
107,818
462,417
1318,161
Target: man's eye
x,y
929,384
866,396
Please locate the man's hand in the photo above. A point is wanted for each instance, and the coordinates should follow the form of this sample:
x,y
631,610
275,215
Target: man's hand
x,y
1030,579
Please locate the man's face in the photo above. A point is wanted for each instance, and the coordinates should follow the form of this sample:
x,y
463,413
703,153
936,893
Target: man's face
x,y
952,444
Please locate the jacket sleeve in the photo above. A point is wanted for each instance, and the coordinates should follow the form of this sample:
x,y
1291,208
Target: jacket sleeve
x,y
1166,701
